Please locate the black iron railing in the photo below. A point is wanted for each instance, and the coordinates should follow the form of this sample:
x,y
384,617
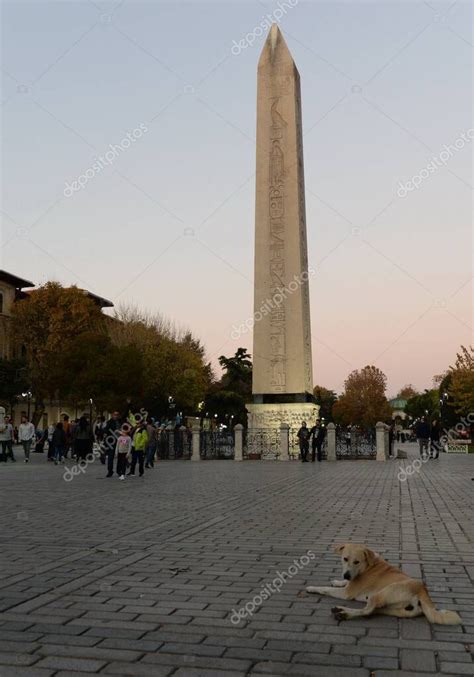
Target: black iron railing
x,y
354,443
174,444
261,443
217,444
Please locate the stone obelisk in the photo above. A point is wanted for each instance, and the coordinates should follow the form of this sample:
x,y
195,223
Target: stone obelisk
x,y
282,367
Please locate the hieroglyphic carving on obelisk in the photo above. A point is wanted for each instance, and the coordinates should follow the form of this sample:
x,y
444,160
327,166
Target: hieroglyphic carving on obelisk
x,y
282,366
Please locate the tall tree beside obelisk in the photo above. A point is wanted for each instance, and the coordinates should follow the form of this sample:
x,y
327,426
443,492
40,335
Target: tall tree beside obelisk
x,y
282,367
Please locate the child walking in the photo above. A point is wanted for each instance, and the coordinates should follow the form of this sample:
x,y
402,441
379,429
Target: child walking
x,y
140,440
123,449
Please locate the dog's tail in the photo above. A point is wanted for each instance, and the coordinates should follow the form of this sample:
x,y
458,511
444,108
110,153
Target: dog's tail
x,y
436,615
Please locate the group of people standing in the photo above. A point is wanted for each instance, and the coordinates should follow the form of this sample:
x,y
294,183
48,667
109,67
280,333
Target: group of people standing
x,y
64,437
129,442
315,434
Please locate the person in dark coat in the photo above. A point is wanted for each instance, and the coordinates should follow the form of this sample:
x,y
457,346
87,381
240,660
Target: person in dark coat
x,y
83,439
58,442
434,439
422,430
391,435
303,437
318,432
111,434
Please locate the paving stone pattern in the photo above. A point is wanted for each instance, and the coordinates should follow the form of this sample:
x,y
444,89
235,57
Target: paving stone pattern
x,y
141,577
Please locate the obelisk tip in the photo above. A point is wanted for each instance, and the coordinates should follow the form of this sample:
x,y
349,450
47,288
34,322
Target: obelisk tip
x,y
275,48
274,32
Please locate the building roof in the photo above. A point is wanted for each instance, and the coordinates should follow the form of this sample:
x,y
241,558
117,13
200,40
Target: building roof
x,y
398,403
14,281
101,302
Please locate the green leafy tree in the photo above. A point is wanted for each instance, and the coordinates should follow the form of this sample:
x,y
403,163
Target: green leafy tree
x,y
363,401
426,404
228,396
461,387
173,361
237,375
448,414
326,400
14,380
94,368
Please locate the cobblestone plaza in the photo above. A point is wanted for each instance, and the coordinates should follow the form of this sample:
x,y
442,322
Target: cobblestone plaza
x,y
141,577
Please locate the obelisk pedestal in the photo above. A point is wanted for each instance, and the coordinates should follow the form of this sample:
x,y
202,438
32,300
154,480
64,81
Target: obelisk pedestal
x,y
282,367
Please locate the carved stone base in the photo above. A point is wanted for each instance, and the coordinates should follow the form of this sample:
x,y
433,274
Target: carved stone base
x,y
273,415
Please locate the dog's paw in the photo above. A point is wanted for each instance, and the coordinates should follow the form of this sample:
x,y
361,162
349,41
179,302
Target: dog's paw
x,y
339,613
312,589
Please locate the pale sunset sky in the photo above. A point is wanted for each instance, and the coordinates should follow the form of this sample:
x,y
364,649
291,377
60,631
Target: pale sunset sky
x,y
168,225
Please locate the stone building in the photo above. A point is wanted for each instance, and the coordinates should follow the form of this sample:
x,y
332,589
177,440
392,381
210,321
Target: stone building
x,y
11,291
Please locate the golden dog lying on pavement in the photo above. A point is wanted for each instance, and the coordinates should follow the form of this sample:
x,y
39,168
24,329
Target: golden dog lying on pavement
x,y
385,589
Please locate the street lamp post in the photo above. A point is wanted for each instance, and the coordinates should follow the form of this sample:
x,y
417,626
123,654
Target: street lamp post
x,y
171,406
28,396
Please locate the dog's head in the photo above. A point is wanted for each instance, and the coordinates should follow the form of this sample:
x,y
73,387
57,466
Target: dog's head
x,y
355,559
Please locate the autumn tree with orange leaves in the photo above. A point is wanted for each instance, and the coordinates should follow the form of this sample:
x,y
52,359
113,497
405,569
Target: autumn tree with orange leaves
x,y
363,401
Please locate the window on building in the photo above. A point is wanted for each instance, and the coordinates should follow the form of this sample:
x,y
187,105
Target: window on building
x,y
1,302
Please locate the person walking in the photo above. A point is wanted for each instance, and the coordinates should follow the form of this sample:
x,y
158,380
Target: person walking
x,y
111,433
68,432
6,440
99,429
51,429
82,439
303,437
59,443
140,440
26,435
151,444
391,435
318,432
10,440
435,439
423,435
124,448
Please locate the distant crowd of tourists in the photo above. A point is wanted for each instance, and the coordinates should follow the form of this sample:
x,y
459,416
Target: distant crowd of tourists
x,y
124,441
